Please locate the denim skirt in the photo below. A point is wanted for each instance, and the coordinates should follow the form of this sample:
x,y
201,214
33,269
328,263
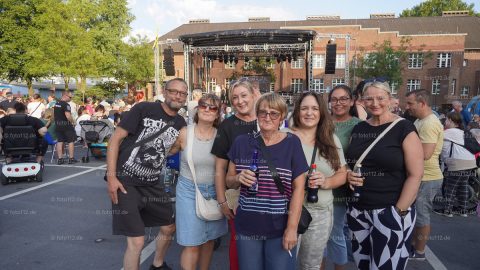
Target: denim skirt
x,y
192,231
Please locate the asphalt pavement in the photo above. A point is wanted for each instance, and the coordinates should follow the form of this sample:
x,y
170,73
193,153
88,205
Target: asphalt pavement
x,y
64,222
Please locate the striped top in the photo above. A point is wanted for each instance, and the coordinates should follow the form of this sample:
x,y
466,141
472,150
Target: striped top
x,y
265,213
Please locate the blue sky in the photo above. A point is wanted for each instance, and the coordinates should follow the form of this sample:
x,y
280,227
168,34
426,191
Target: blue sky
x,y
161,16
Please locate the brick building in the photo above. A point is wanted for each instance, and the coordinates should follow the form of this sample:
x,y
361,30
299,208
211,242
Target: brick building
x,y
452,41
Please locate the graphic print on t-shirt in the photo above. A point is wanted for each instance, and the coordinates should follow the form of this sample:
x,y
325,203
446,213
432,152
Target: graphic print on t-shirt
x,y
146,161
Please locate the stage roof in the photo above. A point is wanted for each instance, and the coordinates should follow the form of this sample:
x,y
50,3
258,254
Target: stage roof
x,y
248,36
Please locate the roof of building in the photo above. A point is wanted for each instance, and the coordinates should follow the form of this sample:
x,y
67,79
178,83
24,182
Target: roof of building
x,y
404,26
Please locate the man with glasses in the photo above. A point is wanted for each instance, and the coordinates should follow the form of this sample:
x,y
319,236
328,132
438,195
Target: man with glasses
x,y
64,128
136,155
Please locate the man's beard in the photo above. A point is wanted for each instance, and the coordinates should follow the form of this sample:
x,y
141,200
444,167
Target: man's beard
x,y
174,106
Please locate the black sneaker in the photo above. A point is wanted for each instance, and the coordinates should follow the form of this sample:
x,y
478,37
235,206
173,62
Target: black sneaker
x,y
443,212
72,160
60,161
164,266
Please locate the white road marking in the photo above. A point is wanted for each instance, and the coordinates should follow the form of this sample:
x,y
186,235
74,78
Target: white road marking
x,y
50,183
74,166
433,260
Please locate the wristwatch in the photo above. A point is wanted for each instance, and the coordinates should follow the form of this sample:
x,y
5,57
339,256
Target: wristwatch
x,y
401,212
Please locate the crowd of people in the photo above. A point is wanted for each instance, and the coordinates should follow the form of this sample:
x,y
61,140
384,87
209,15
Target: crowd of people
x,y
373,173
257,164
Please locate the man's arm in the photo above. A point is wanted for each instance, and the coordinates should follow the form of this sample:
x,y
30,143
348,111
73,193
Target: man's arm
x,y
112,157
69,117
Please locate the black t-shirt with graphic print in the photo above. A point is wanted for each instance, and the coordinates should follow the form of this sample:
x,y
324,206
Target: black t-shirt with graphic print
x,y
142,165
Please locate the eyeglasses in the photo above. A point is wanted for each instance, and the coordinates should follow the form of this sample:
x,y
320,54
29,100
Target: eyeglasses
x,y
342,100
380,99
177,92
204,106
273,114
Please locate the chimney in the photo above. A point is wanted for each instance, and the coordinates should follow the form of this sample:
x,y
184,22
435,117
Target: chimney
x,y
197,21
382,16
455,13
323,18
259,19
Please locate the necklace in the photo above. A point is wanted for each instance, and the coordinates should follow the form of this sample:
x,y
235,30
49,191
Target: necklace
x,y
204,137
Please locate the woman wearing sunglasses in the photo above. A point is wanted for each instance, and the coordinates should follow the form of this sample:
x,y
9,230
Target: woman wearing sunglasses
x,y
266,230
312,123
244,121
194,234
343,110
380,217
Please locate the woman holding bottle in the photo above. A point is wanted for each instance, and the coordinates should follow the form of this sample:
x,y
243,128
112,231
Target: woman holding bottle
x,y
312,123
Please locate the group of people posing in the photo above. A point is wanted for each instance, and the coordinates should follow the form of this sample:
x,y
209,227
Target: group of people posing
x,y
263,214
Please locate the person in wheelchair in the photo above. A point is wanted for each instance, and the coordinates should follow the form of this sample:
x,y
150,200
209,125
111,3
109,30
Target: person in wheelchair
x,y
20,118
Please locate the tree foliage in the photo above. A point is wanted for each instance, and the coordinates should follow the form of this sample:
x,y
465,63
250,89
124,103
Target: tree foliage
x,y
71,38
436,7
384,61
135,63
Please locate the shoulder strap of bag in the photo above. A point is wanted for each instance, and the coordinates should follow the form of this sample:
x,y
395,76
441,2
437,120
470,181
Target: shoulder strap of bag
x,y
359,161
190,135
35,108
273,170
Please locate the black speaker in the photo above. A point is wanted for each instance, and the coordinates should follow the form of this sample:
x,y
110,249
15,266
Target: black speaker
x,y
331,59
168,62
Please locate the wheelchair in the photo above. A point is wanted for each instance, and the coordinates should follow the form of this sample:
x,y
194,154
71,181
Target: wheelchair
x,y
21,144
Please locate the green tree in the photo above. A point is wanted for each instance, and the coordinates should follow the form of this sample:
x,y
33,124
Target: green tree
x,y
384,61
436,7
135,63
17,39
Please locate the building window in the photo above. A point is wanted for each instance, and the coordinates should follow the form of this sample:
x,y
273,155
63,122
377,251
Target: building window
x,y
465,91
413,85
212,84
337,81
318,61
340,61
436,87
230,65
394,88
272,87
444,60
296,86
465,62
415,60
318,86
298,64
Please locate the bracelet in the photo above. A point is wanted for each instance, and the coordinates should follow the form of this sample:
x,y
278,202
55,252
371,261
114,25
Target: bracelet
x,y
222,203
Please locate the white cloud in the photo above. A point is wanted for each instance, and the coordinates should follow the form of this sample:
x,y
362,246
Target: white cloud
x,y
142,32
169,14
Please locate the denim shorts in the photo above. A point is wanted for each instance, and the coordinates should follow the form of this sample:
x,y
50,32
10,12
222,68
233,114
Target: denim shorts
x,y
192,231
424,202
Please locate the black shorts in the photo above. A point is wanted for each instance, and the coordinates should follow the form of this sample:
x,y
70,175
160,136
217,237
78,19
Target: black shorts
x,y
142,206
67,135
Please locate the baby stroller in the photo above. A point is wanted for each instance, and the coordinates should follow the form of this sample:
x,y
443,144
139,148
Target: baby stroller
x,y
96,134
21,144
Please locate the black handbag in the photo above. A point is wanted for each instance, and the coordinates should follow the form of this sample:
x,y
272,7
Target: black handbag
x,y
305,217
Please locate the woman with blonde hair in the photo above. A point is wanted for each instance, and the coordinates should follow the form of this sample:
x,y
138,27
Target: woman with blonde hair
x,y
381,216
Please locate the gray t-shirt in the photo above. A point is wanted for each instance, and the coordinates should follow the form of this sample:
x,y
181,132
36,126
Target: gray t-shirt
x,y
203,161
